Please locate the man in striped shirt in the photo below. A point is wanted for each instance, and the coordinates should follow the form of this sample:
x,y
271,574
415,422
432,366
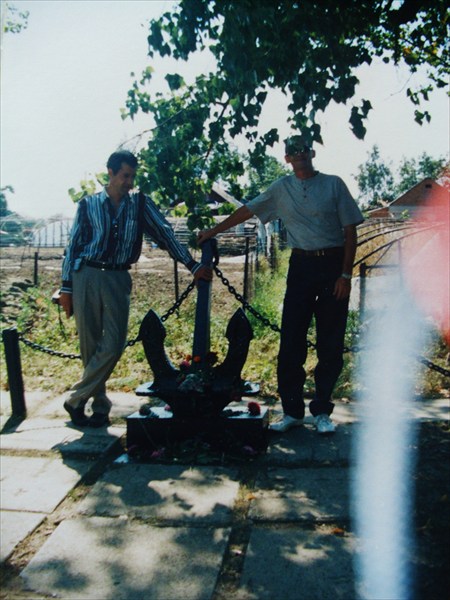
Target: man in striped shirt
x,y
105,240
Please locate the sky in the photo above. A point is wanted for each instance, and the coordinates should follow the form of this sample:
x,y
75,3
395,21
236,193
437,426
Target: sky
x,y
65,78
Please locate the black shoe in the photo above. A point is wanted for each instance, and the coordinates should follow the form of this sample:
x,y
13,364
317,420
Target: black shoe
x,y
77,415
98,420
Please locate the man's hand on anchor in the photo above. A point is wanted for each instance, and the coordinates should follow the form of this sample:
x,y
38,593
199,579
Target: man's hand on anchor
x,y
204,272
204,235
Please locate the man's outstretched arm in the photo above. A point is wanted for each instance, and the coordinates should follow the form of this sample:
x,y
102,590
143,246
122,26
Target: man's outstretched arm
x,y
239,216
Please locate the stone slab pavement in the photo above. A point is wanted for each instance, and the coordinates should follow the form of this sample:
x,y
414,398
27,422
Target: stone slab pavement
x,y
100,558
174,531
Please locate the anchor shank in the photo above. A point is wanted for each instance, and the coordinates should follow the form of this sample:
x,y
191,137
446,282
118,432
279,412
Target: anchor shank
x,y
203,309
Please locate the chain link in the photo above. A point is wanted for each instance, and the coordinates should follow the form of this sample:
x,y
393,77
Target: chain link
x,y
173,309
276,328
49,351
130,343
246,305
179,302
434,367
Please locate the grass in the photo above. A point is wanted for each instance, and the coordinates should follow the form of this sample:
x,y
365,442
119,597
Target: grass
x,y
37,318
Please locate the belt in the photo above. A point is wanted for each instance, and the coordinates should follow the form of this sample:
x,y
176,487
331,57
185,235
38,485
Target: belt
x,y
104,266
321,252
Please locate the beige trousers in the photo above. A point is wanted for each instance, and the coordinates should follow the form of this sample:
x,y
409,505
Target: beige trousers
x,y
101,303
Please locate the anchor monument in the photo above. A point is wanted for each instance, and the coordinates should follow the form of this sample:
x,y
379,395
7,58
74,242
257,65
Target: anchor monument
x,y
198,392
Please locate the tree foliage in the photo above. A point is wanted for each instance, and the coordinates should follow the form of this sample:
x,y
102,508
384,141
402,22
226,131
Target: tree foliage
x,y
413,170
378,184
309,53
261,178
4,210
180,162
375,180
13,20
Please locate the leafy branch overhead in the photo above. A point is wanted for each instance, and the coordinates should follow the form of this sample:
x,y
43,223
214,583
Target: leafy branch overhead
x,y
310,54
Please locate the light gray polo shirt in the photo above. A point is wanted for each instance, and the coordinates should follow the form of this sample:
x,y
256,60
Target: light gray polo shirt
x,y
314,211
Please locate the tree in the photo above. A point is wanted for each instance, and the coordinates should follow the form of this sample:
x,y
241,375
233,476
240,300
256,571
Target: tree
x,y
13,20
414,170
261,178
375,181
4,211
180,163
310,54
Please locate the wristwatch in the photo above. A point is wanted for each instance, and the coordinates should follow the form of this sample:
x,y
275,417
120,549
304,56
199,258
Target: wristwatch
x,y
346,275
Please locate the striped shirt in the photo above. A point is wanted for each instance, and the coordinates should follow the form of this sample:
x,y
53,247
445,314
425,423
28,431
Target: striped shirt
x,y
99,233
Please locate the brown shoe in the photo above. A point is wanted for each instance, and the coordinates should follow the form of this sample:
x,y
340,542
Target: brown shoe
x,y
77,415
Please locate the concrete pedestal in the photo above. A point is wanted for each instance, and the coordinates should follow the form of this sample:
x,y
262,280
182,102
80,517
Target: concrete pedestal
x,y
233,426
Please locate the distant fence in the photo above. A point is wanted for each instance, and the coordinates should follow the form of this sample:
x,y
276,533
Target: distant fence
x,y
51,234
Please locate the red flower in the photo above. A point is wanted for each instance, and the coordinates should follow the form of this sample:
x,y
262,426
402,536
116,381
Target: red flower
x,y
197,359
254,409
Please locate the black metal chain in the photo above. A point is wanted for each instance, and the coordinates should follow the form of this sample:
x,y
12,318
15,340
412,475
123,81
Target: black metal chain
x,y
179,302
130,343
434,367
264,320
173,309
246,305
276,328
49,351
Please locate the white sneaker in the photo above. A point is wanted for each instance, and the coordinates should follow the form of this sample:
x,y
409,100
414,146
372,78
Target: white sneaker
x,y
324,424
286,423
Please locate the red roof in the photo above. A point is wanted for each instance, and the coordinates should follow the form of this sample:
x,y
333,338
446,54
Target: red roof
x,y
422,193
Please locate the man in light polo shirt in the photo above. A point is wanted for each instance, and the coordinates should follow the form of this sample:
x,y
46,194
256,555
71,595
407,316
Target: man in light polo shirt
x,y
320,217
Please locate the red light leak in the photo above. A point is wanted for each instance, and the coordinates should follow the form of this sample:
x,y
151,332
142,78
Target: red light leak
x,y
427,265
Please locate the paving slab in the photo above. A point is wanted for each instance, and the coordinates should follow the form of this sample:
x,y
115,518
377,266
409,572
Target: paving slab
x,y
291,563
123,404
34,401
301,494
44,435
170,492
15,527
115,559
303,445
37,484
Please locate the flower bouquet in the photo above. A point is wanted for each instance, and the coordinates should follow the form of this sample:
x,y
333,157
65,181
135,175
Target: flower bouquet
x,y
199,389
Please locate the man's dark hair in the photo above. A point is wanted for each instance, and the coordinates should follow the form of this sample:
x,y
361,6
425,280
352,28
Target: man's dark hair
x,y
121,156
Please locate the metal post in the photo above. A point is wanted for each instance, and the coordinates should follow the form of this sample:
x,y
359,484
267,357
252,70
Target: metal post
x,y
246,267
14,369
175,276
203,308
362,288
36,269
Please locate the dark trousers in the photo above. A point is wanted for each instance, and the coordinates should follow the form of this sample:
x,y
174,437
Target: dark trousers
x,y
309,292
